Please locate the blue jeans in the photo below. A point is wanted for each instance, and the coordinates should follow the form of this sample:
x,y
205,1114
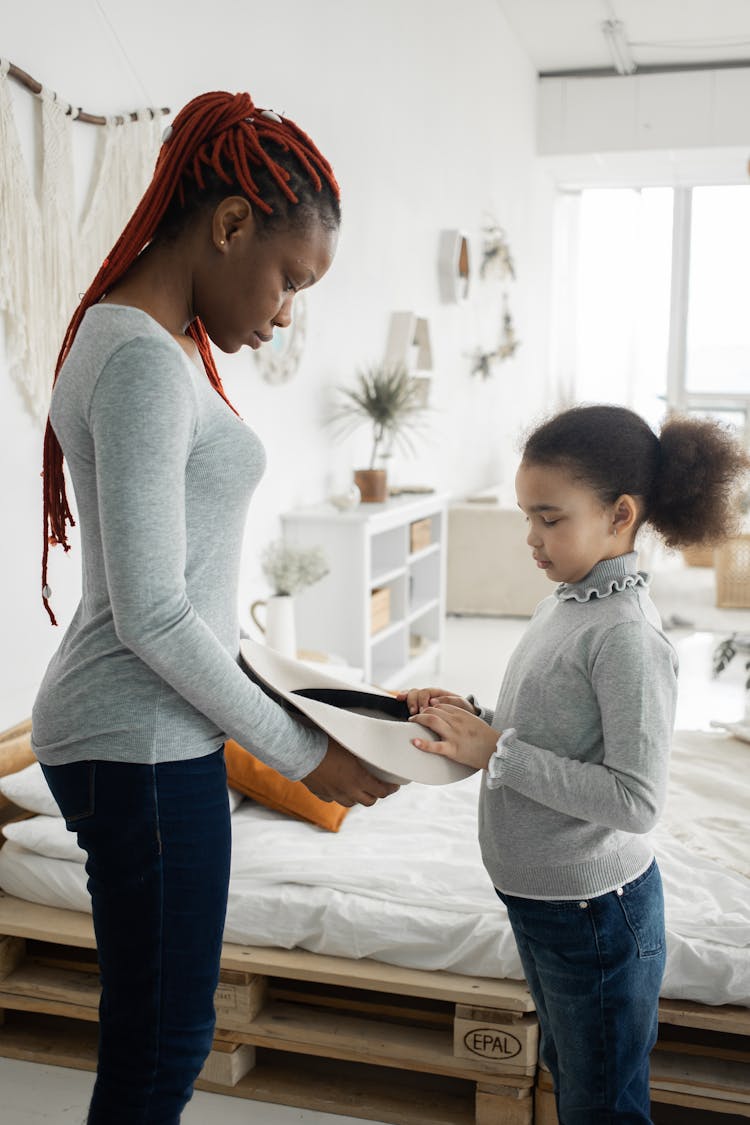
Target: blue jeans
x,y
594,970
158,844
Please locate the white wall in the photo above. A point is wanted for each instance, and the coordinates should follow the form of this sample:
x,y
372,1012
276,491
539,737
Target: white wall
x,y
426,109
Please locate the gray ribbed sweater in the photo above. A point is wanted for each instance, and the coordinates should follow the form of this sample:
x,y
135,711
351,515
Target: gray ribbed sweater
x,y
591,692
163,471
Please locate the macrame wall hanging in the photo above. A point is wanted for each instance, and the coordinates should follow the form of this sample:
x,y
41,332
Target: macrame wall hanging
x,y
48,257
497,262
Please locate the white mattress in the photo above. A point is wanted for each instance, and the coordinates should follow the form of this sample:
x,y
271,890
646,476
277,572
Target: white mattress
x,y
403,882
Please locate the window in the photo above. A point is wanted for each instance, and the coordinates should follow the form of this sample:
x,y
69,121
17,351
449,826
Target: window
x,y
623,294
652,303
718,324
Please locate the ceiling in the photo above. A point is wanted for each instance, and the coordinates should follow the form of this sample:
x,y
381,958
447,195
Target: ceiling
x,y
566,35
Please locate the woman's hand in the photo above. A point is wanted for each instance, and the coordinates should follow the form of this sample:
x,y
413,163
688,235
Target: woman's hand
x,y
419,698
464,738
342,777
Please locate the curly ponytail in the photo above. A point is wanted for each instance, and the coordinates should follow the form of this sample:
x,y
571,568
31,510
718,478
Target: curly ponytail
x,y
694,499
687,479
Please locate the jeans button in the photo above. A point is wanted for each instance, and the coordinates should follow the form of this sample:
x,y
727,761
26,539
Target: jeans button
x,y
619,891
583,905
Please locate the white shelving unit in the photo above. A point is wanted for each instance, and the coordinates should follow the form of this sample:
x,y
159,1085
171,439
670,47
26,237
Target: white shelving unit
x,y
369,549
409,344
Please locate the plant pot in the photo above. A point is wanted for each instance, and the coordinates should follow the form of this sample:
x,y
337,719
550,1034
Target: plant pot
x,y
372,485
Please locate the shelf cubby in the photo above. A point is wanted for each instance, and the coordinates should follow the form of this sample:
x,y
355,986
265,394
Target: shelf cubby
x,y
369,549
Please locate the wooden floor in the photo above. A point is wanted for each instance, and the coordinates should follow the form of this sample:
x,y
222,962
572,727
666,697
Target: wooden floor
x,y
33,1094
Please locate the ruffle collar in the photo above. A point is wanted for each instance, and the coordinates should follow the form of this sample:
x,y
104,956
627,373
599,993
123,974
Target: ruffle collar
x,y
608,577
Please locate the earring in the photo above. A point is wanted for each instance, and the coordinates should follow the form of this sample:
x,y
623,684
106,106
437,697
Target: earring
x,y
614,531
221,242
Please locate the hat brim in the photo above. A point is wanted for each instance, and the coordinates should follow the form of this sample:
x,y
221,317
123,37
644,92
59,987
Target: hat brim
x,y
382,743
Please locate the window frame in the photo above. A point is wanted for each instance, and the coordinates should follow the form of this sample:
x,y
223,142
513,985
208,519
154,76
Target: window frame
x,y
679,398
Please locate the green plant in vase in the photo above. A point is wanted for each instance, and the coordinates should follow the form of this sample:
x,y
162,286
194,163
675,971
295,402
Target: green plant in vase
x,y
389,399
723,655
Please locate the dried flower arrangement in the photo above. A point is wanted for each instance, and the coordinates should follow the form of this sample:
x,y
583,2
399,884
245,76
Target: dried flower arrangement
x,y
496,254
509,342
290,569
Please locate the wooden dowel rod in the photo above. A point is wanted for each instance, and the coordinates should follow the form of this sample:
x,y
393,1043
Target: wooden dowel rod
x,y
89,118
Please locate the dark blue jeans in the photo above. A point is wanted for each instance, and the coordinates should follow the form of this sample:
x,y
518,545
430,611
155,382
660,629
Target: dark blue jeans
x,y
158,844
594,969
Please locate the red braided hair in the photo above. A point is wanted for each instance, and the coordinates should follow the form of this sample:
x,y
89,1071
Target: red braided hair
x,y
216,133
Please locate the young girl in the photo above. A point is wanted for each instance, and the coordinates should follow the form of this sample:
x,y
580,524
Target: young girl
x,y
576,752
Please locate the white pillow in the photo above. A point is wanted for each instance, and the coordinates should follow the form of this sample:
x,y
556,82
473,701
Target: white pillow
x,y
45,835
235,799
29,790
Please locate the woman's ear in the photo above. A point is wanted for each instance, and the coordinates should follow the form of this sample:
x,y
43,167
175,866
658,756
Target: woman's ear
x,y
624,514
232,216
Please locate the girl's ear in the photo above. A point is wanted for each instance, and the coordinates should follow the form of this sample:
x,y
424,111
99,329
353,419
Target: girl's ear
x,y
624,514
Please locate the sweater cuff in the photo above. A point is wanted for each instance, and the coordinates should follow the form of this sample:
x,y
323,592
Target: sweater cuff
x,y
315,750
477,707
486,714
495,766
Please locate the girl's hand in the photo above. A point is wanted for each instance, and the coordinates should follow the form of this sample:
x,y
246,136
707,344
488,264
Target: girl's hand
x,y
464,738
419,698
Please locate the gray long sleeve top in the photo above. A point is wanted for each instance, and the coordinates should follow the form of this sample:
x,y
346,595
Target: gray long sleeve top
x,y
163,471
590,692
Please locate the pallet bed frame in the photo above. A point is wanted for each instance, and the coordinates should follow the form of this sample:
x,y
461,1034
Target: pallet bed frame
x,y
383,1042
360,1037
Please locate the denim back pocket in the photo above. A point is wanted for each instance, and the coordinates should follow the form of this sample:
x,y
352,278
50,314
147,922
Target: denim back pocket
x,y
72,786
642,903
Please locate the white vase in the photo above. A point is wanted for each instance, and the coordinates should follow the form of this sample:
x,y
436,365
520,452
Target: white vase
x,y
278,629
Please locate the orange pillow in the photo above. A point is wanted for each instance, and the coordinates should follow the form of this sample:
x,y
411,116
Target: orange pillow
x,y
248,775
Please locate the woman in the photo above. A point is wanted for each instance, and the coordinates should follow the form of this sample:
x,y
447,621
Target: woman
x,y
129,724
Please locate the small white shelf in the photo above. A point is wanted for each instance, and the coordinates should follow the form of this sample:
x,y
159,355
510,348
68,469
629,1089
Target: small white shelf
x,y
387,576
433,549
422,609
399,679
386,632
409,343
366,548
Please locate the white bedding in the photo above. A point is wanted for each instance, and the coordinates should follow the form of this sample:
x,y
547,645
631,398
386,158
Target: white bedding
x,y
403,882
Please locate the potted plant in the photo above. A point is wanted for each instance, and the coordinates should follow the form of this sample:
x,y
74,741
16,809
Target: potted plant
x,y
725,652
389,399
288,570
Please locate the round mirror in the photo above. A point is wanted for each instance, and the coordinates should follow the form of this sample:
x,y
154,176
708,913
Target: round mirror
x,y
279,359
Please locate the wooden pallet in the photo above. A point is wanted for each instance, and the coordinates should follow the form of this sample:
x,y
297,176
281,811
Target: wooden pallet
x,y
701,1064
356,1037
15,754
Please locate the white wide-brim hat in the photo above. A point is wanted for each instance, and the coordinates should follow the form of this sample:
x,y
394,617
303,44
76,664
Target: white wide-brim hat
x,y
369,722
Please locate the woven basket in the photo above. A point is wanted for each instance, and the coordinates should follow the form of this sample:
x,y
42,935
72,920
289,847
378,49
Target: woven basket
x,y
698,556
732,561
